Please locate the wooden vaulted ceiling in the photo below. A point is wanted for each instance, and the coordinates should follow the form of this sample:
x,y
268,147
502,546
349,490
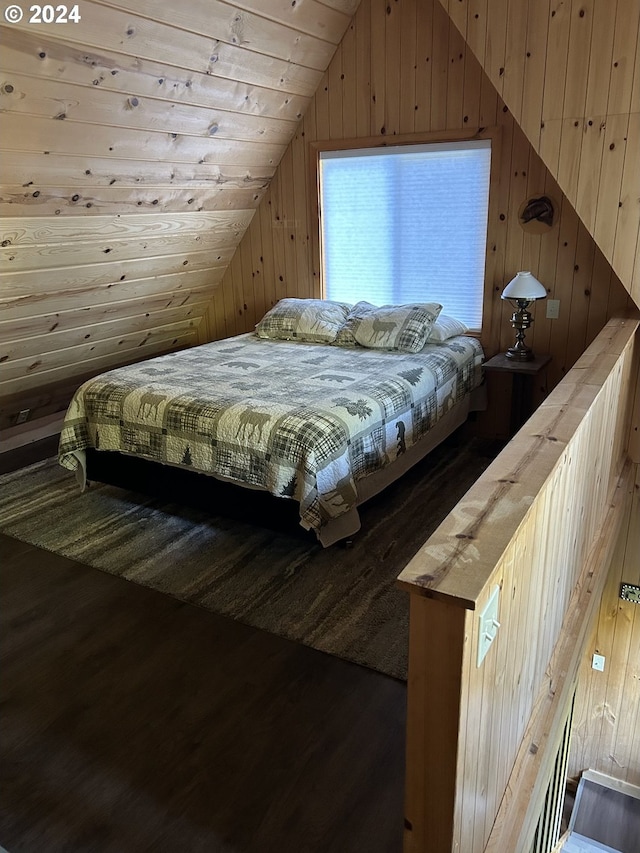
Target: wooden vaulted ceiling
x,y
136,145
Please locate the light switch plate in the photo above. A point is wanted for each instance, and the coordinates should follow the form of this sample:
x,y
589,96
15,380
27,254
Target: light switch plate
x,y
488,624
553,309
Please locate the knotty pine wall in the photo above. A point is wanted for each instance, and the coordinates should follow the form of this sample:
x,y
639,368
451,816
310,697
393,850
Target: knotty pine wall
x,y
136,145
403,68
606,728
569,71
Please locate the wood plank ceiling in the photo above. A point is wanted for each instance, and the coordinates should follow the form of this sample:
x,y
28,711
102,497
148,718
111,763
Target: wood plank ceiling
x,y
136,145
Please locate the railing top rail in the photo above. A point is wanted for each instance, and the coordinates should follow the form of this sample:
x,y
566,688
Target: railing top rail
x,y
457,561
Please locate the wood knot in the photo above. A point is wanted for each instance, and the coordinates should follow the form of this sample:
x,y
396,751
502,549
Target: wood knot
x,y
7,88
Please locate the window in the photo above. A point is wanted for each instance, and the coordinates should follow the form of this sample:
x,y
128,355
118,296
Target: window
x,y
407,223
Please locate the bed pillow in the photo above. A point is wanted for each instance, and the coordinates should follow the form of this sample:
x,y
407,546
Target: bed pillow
x,y
446,327
346,336
398,327
315,320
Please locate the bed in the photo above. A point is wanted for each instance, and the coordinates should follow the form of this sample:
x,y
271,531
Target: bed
x,y
327,426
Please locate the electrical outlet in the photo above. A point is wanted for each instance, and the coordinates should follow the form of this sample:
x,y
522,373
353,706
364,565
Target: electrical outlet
x,y
553,309
488,624
598,663
23,416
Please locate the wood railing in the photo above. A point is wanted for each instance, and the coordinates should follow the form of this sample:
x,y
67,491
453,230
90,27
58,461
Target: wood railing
x,y
540,523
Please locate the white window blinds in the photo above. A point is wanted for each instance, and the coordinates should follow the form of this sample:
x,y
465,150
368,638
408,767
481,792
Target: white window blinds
x,y
407,224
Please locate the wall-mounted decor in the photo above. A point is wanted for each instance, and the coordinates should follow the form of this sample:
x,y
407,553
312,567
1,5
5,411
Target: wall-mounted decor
x,y
536,214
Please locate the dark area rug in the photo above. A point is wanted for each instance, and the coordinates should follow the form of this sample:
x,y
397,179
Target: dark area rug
x,y
241,554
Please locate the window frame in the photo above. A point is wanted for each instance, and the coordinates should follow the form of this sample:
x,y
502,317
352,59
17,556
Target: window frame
x,y
491,133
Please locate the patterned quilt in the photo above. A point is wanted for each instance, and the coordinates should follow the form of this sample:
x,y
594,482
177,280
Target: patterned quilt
x,y
302,420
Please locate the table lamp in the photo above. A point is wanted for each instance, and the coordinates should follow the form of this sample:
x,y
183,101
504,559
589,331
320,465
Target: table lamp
x,y
521,292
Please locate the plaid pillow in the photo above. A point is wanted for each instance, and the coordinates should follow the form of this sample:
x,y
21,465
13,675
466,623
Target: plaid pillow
x,y
316,320
446,327
346,336
398,327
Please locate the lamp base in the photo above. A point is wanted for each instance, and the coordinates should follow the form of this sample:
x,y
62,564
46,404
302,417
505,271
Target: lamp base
x,y
520,353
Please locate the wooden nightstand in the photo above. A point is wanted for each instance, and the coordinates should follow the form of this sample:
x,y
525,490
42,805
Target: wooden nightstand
x,y
523,373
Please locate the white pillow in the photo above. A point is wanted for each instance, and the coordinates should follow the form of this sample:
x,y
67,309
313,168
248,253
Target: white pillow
x,y
446,327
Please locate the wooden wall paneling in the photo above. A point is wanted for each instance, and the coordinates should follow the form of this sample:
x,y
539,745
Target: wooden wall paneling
x,y
534,69
589,176
268,270
542,327
578,59
321,104
424,65
310,185
408,70
514,236
598,81
602,282
300,230
625,48
610,187
476,28
392,70
554,83
377,70
362,23
514,62
496,42
581,282
471,91
488,102
334,84
562,290
275,245
606,726
455,80
629,208
439,68
584,57
349,77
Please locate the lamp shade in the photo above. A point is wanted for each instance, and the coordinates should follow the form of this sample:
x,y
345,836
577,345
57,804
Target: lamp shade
x,y
524,286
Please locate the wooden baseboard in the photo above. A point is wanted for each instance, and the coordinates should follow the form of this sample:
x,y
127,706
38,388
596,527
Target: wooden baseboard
x,y
19,436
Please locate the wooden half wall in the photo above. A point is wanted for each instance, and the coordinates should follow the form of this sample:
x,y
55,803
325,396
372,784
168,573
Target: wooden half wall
x,y
541,524
403,70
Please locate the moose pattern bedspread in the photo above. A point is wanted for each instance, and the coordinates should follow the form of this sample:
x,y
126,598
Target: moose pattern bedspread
x,y
303,421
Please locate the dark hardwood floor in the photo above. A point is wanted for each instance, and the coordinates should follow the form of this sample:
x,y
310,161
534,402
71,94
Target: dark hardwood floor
x,y
132,722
